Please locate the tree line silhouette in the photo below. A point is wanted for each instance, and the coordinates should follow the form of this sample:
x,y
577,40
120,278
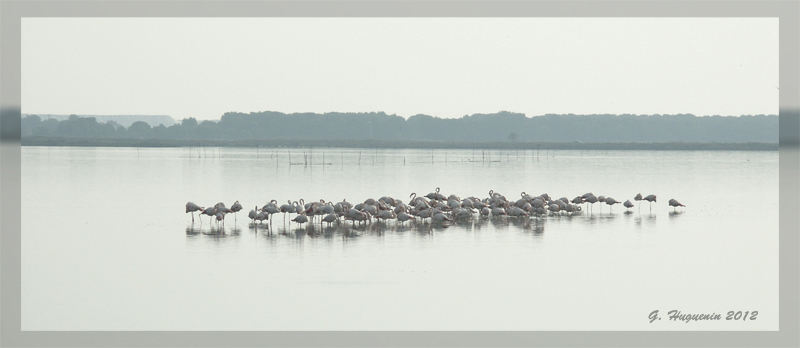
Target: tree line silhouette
x,y
477,128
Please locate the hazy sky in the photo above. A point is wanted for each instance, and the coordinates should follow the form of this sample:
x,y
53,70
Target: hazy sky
x,y
446,67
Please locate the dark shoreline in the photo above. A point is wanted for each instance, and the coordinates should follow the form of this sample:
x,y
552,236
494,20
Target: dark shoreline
x,y
415,144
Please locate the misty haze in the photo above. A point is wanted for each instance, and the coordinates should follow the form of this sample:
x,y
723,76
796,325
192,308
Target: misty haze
x,y
481,130
391,174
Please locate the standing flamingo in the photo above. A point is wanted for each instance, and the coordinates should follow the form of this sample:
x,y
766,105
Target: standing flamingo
x,y
301,217
674,204
252,214
235,207
651,199
627,205
638,198
610,201
210,211
287,208
591,200
191,208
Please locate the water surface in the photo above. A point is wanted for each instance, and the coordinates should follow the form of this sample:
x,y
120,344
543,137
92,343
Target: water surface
x,y
106,244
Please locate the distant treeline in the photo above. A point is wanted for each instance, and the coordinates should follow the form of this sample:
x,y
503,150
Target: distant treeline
x,y
306,143
379,128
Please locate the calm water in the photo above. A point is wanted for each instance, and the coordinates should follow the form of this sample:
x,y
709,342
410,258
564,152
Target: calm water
x,y
106,244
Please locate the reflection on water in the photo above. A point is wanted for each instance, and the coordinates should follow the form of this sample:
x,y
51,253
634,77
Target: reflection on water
x,y
350,230
673,214
648,219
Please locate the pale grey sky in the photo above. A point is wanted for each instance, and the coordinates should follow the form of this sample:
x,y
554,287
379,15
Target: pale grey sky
x,y
446,67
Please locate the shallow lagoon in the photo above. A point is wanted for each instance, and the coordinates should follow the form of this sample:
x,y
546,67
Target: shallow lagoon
x,y
106,244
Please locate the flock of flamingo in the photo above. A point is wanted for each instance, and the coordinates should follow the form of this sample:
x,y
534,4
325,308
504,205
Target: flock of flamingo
x,y
434,206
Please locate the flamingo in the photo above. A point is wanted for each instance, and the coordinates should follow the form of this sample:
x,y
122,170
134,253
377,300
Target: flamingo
x,y
220,207
326,209
400,208
651,199
386,215
210,211
675,204
425,213
439,217
271,209
330,218
591,200
252,215
191,208
261,216
601,199
498,211
220,217
515,211
287,208
610,201
638,198
371,209
403,217
301,217
452,204
235,207
418,201
628,205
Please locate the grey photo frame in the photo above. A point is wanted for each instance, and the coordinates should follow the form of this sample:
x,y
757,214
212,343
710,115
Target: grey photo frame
x,y
11,13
